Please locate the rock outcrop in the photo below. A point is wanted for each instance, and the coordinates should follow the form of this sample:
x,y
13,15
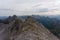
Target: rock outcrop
x,y
27,30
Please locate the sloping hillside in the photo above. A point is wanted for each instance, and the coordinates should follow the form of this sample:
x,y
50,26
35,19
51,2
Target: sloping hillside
x,y
25,30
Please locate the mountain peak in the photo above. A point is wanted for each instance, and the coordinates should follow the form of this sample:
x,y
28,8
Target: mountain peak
x,y
31,30
27,30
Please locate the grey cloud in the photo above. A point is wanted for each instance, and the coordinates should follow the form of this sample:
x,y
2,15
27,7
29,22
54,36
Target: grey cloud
x,y
41,10
32,1
29,1
24,5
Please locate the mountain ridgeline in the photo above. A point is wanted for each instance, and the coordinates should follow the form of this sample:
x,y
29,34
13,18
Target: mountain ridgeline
x,y
16,28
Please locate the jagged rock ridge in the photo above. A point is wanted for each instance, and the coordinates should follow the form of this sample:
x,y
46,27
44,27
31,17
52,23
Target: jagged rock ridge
x,y
26,30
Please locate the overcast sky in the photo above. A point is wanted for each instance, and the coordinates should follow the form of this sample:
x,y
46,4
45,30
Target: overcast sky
x,y
20,7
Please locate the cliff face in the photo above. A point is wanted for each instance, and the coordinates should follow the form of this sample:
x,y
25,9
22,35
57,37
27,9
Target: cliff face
x,y
27,30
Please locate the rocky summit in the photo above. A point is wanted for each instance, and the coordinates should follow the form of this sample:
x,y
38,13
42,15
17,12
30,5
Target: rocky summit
x,y
28,29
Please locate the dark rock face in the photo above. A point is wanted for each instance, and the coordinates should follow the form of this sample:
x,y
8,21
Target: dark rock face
x,y
27,30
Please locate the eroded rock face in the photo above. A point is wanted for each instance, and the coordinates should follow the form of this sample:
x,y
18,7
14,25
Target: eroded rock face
x,y
27,30
36,32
